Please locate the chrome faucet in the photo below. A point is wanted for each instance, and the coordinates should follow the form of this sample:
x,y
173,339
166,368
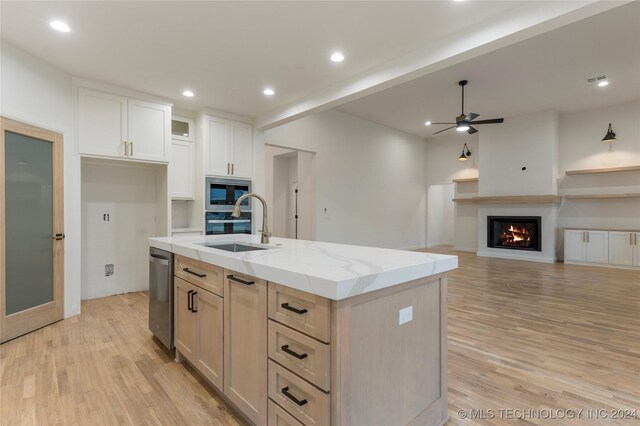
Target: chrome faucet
x,y
265,234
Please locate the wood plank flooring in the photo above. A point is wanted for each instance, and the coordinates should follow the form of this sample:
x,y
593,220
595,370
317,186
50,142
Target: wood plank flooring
x,y
522,335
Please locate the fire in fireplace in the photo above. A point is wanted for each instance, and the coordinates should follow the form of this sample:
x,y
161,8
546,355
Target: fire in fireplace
x,y
514,232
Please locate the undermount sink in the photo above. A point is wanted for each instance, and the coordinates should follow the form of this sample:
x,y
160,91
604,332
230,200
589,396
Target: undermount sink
x,y
234,247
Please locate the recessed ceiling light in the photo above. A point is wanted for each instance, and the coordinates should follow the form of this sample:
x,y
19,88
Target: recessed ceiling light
x,y
603,83
59,26
188,93
337,57
427,123
269,91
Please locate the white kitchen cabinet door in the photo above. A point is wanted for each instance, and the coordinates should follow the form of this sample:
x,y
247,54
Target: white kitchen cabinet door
x,y
574,245
182,170
621,248
242,150
597,247
636,249
102,123
149,130
218,142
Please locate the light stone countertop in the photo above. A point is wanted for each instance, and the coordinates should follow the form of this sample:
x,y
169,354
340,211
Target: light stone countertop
x,y
334,271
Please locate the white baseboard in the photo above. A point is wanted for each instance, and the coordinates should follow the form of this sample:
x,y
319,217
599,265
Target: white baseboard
x,y
440,243
518,257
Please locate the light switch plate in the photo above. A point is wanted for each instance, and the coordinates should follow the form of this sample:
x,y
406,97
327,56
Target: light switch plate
x,y
405,315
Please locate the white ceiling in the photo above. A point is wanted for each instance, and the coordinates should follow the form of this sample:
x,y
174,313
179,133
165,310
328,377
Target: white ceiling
x,y
227,52
545,72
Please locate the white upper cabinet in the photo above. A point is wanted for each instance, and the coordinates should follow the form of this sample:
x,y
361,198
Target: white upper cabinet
x,y
102,123
242,146
182,170
149,128
228,148
218,144
116,126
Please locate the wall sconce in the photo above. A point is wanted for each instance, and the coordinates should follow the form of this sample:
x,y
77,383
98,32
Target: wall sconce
x,y
465,153
610,136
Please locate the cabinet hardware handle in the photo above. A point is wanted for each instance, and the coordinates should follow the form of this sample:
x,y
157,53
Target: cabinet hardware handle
x,y
290,352
292,309
588,236
194,308
126,148
232,167
228,168
59,237
188,271
239,280
131,149
286,393
630,238
189,300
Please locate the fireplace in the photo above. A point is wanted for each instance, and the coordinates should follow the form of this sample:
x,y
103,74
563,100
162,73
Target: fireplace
x,y
514,232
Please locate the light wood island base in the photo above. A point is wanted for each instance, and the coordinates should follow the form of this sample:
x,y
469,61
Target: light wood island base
x,y
295,358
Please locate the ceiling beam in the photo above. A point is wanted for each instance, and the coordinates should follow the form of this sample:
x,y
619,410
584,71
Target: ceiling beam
x,y
520,23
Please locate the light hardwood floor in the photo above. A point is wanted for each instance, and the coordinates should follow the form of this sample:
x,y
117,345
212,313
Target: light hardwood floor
x,y
521,336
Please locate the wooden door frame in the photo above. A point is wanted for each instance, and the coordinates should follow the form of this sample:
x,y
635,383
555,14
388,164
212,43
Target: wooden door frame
x,y
23,322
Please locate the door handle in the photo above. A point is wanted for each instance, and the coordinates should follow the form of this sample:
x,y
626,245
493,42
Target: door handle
x,y
189,300
194,308
239,280
286,393
286,349
59,237
292,309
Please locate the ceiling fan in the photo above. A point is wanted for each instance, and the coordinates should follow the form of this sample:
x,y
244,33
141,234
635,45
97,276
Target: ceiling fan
x,y
464,121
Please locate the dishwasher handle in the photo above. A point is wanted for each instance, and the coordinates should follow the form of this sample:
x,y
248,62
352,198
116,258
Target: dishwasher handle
x,y
158,259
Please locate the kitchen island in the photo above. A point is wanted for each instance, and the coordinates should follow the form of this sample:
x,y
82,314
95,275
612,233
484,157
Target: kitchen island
x,y
299,332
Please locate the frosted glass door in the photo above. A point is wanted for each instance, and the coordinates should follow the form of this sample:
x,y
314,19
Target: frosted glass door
x,y
32,252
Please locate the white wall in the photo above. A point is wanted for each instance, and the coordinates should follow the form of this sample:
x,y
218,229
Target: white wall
x,y
440,215
128,194
34,92
368,177
441,159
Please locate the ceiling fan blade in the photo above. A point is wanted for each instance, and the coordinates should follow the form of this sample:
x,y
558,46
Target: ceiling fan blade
x,y
471,130
444,123
471,116
492,121
444,130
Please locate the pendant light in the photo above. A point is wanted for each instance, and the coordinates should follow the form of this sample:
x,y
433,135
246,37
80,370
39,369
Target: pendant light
x,y
465,153
610,136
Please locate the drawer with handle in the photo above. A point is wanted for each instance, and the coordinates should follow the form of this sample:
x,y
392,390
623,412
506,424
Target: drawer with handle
x,y
301,354
279,417
305,312
301,399
204,275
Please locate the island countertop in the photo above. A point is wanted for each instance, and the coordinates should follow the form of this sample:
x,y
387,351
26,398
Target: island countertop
x,y
334,271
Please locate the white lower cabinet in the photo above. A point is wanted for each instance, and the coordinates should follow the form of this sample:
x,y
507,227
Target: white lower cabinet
x,y
616,248
624,249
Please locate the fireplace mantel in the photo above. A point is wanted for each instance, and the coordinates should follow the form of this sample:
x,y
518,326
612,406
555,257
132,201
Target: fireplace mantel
x,y
511,199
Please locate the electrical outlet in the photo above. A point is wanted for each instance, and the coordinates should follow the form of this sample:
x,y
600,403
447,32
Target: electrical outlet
x,y
405,315
108,269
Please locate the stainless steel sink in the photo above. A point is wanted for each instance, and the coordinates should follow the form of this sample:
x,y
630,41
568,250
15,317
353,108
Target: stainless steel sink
x,y
234,247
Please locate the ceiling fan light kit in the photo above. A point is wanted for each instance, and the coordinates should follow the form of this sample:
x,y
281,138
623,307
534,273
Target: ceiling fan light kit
x,y
464,121
610,136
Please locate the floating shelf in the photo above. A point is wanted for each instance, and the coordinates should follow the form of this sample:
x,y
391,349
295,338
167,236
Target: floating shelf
x,y
601,196
512,199
463,180
606,170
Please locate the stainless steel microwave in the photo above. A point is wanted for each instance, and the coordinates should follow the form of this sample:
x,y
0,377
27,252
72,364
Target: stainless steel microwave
x,y
221,194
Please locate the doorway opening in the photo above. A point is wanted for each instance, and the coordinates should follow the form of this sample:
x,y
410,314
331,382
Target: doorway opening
x,y
290,192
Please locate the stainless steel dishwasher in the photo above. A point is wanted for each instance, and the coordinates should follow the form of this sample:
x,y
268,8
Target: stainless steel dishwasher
x,y
161,295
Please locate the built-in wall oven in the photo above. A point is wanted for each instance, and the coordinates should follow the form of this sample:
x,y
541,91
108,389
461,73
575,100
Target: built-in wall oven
x,y
220,198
